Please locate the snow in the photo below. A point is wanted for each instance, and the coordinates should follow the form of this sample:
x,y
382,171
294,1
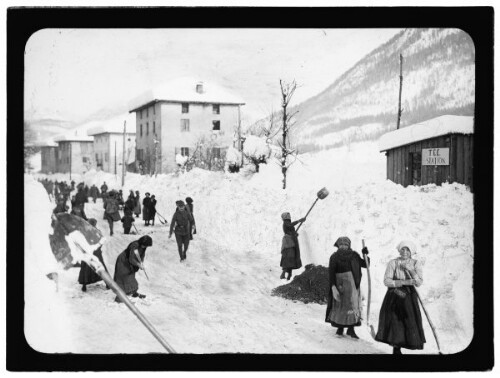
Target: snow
x,y
75,137
183,89
233,156
447,124
181,160
219,300
256,146
114,125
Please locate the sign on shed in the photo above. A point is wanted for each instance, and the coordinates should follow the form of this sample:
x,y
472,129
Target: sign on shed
x,y
436,156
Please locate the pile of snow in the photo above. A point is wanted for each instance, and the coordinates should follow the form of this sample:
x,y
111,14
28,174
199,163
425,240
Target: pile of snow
x,y
181,160
233,156
220,300
256,147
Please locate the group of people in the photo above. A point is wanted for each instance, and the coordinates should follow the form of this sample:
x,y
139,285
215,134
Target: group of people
x,y
400,319
131,259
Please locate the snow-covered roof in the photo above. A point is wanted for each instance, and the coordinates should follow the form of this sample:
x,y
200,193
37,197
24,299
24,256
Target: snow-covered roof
x,y
184,90
48,144
74,138
444,125
114,125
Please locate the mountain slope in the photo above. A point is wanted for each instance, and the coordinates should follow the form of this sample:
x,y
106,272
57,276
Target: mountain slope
x,y
438,78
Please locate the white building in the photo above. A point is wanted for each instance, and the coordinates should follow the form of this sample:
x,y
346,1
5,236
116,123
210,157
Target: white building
x,y
173,118
108,143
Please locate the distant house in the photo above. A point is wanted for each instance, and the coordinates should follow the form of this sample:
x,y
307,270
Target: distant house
x,y
435,151
108,145
75,154
172,119
49,155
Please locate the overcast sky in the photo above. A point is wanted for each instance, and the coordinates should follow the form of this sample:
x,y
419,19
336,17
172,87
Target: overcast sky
x,y
78,75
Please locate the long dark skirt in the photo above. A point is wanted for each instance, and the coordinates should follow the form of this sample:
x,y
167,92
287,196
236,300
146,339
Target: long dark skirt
x,y
400,321
290,258
87,275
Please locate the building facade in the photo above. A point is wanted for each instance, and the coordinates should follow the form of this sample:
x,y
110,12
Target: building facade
x,y
108,150
49,156
198,116
432,152
75,155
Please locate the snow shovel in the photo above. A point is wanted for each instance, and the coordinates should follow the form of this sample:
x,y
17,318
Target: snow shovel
x,y
140,261
160,217
322,194
372,330
136,230
429,320
64,225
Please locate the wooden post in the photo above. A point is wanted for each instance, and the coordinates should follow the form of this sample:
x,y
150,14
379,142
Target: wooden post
x,y
123,152
400,88
70,162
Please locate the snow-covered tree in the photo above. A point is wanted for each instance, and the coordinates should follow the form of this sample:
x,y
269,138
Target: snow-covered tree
x,y
233,159
256,149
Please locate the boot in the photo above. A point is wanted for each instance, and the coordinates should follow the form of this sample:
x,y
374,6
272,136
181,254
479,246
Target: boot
x,y
282,275
340,331
350,332
289,275
396,350
84,287
135,294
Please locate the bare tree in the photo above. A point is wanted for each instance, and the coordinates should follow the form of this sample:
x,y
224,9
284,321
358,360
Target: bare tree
x,y
287,123
400,111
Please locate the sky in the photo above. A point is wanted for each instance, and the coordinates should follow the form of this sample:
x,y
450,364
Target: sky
x,y
73,76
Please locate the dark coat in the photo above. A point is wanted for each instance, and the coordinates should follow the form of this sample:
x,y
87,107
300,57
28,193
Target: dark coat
x,y
128,208
181,222
87,275
127,220
146,203
152,208
290,250
61,208
127,265
137,208
340,262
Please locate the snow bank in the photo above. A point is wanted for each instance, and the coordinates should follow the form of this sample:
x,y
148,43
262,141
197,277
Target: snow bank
x,y
238,247
47,323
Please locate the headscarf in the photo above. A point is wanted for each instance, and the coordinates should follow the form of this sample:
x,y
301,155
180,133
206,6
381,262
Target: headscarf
x,y
146,240
343,240
179,203
286,215
408,244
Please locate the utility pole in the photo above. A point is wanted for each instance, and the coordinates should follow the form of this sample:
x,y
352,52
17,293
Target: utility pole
x,y
240,145
400,89
123,160
70,153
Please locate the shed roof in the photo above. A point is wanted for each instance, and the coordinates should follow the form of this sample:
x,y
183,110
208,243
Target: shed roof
x,y
184,90
435,127
73,138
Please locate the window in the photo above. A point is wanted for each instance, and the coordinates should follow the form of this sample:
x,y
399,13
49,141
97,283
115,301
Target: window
x,y
185,108
154,127
185,151
140,154
147,128
141,129
106,156
216,125
216,152
97,157
147,112
141,113
154,109
184,124
216,109
85,159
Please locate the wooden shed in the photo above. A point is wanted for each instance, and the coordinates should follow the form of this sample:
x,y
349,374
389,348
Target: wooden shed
x,y
432,152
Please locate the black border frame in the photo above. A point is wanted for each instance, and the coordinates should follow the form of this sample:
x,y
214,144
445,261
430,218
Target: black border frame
x,y
22,22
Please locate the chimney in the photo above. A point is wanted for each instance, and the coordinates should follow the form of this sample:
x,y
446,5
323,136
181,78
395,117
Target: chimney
x,y
199,87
